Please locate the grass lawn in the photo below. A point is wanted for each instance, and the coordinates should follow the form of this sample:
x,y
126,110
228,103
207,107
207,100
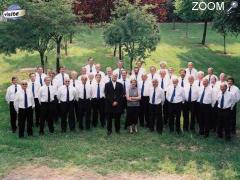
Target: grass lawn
x,y
145,152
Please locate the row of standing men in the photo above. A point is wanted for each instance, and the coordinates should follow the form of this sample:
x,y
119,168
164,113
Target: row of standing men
x,y
152,99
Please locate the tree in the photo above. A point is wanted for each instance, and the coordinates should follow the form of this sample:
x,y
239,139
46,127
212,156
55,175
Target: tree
x,y
30,33
183,8
136,29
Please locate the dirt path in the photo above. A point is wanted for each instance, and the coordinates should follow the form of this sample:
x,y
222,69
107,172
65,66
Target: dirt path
x,y
46,173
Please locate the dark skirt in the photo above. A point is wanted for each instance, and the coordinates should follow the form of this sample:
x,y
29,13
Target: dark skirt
x,y
132,115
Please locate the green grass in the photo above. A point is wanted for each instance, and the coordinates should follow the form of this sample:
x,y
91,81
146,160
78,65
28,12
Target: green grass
x,y
148,152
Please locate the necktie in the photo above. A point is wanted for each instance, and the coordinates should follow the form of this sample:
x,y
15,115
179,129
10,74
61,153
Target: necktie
x,y
209,79
73,83
40,78
199,83
182,84
202,97
190,94
222,101
124,87
153,97
51,83
173,94
33,90
63,78
84,92
229,89
170,77
142,90
190,71
119,74
15,88
25,99
109,79
162,84
90,68
67,94
48,94
152,76
98,91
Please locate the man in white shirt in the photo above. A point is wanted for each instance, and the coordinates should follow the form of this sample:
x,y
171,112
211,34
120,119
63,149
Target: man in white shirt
x,y
34,86
10,96
191,71
189,107
225,104
175,96
210,74
141,70
60,77
200,77
143,86
205,100
46,99
98,98
126,83
76,84
98,71
164,82
118,71
40,75
66,96
135,74
156,101
24,104
83,72
234,90
84,94
214,110
90,67
171,74
108,77
153,74
182,78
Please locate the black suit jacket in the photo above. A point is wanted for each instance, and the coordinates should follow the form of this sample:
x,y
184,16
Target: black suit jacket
x,y
112,95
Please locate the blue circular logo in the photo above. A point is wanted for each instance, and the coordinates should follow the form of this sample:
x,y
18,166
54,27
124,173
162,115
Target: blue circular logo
x,y
14,12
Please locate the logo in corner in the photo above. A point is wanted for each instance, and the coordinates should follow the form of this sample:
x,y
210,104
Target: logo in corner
x,y
14,12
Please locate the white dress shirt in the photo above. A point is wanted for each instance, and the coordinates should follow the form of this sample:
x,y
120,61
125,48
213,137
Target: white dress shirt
x,y
147,84
208,77
194,92
179,94
117,71
95,89
75,83
43,75
100,72
159,95
215,91
107,79
62,93
153,76
171,77
193,72
37,85
198,83
185,81
10,94
208,95
43,93
228,100
137,77
80,91
59,79
127,83
19,101
166,83
140,72
234,90
89,68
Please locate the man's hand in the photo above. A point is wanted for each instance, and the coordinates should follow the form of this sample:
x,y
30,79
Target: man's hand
x,y
115,103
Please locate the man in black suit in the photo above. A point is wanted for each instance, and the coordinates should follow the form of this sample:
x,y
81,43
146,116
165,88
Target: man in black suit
x,y
113,103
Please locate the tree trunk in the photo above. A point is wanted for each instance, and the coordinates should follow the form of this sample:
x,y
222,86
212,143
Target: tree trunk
x,y
174,24
120,51
131,64
204,32
42,59
46,64
59,39
66,48
186,29
115,50
224,43
71,38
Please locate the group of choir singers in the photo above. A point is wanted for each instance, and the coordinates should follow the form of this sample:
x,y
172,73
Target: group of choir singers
x,y
152,100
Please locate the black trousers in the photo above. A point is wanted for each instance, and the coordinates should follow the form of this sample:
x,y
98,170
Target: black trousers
x,y
37,111
174,115
233,116
67,112
84,110
115,116
25,115
56,109
98,110
189,110
76,110
198,112
13,117
155,112
205,117
132,115
46,116
214,117
144,111
224,123
165,112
